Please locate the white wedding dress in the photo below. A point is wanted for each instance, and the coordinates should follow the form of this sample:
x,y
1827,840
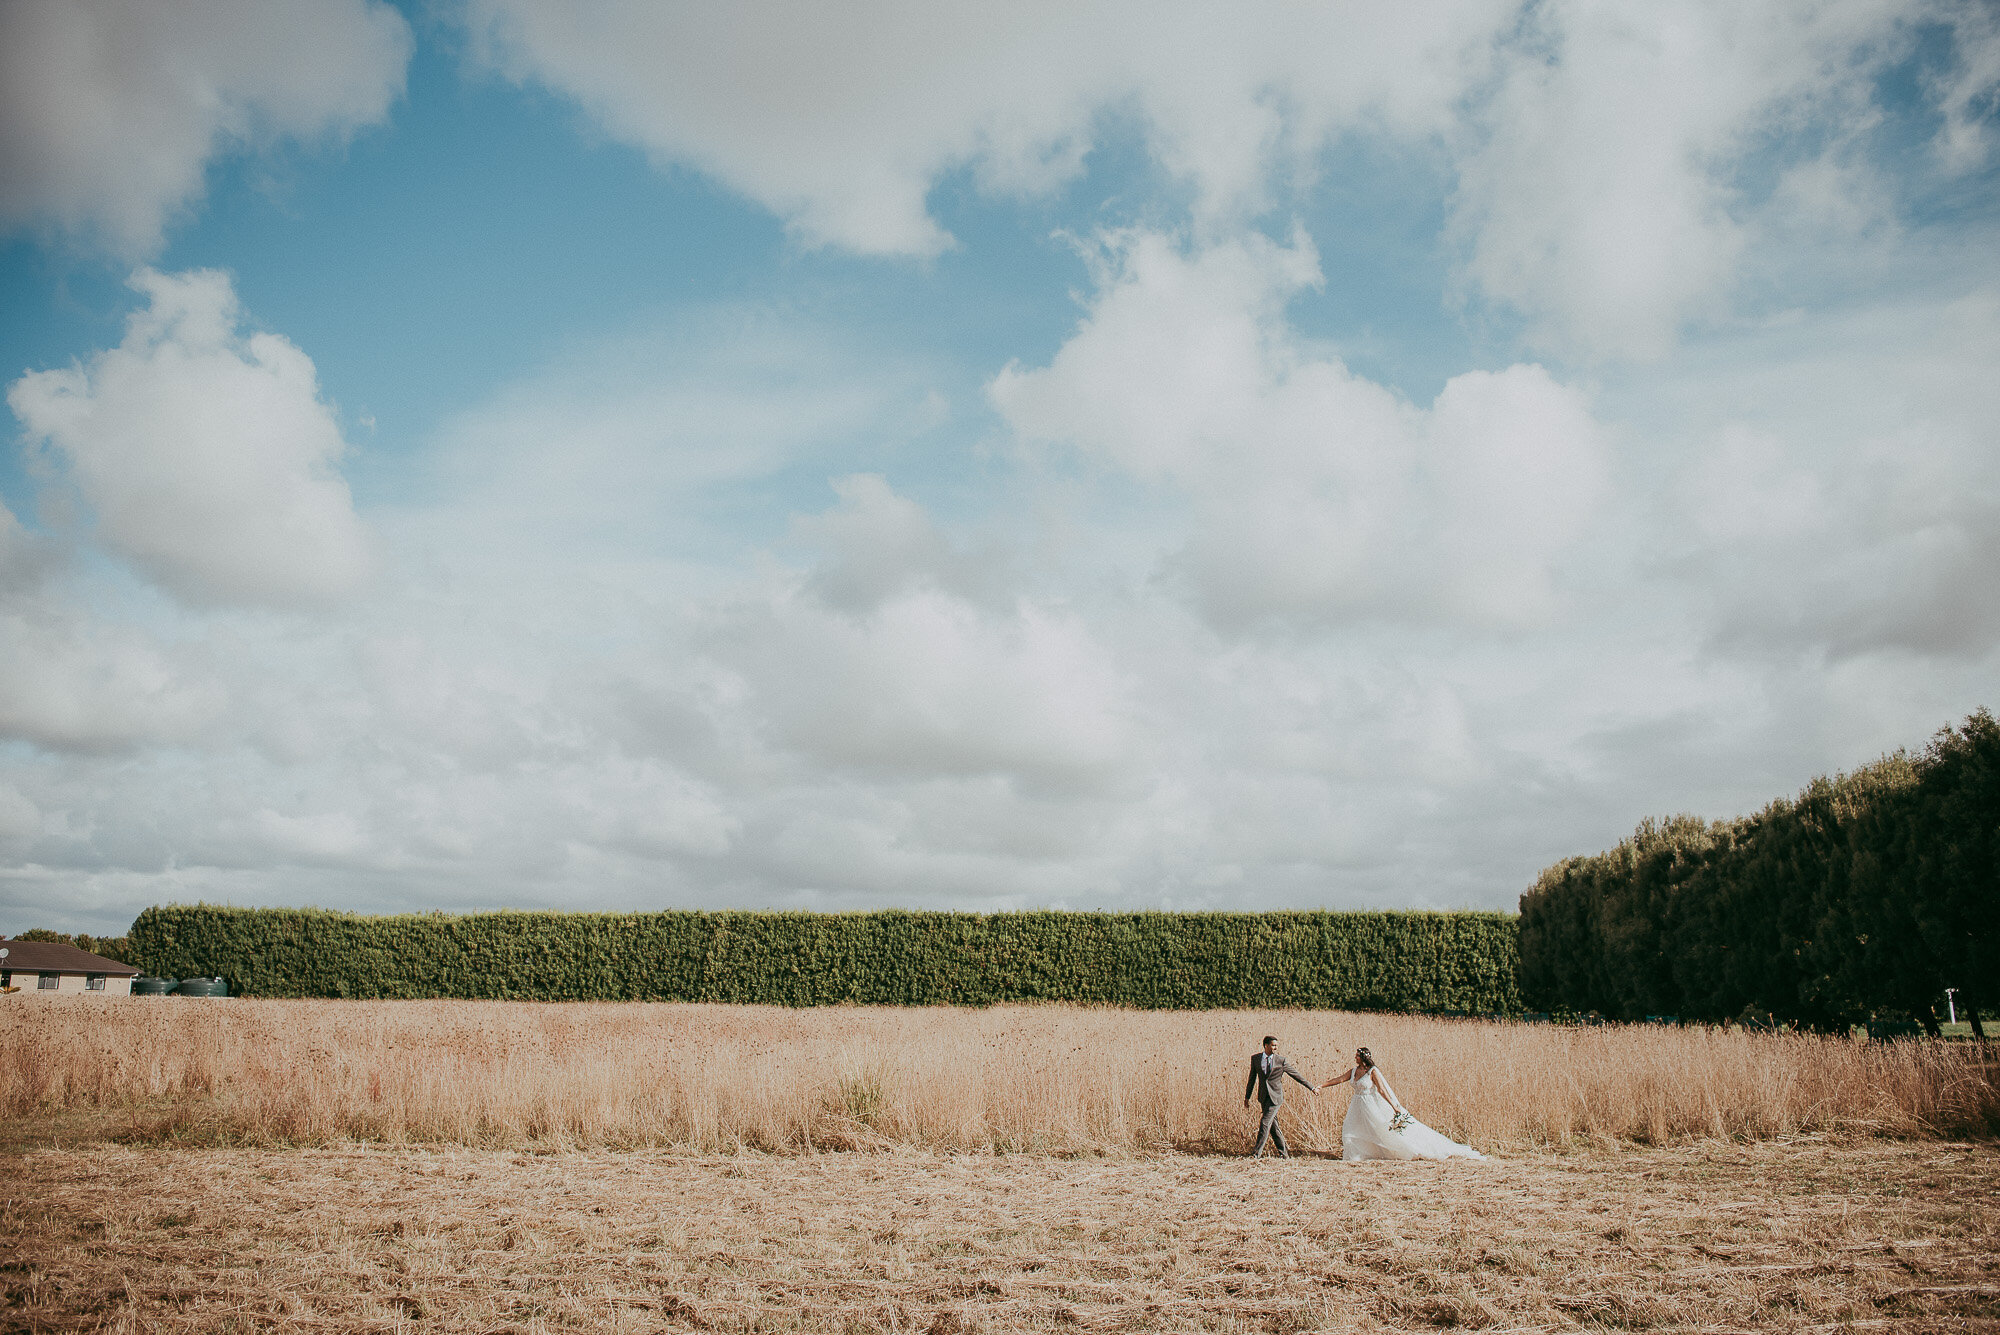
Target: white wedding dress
x,y
1366,1133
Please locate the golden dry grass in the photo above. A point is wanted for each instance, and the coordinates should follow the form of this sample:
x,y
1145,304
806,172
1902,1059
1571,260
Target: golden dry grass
x,y
1805,1235
1053,1079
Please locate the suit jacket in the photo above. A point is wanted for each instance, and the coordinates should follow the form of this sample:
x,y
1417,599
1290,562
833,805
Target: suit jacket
x,y
1270,1089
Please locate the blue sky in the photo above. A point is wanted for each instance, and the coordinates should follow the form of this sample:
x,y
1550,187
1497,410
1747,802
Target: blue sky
x,y
612,456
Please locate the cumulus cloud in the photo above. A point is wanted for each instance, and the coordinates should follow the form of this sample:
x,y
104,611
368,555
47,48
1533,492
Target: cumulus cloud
x,y
78,682
877,544
1602,193
1319,494
927,684
841,119
1966,89
79,686
111,110
23,557
1846,502
553,707
207,456
20,819
1615,171
328,837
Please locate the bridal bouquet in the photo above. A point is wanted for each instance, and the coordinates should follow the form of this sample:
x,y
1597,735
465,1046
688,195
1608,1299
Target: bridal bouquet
x,y
1399,1121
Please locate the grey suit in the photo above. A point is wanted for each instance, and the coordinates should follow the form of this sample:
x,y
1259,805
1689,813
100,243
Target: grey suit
x,y
1267,1081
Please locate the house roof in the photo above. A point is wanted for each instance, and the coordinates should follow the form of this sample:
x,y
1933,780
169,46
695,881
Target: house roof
x,y
54,957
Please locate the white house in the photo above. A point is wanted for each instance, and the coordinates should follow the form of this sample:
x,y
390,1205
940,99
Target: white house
x,y
49,966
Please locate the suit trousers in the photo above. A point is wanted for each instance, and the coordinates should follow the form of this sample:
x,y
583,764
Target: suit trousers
x,y
1271,1131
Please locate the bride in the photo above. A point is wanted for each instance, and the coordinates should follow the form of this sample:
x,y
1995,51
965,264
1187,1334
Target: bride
x,y
1379,1127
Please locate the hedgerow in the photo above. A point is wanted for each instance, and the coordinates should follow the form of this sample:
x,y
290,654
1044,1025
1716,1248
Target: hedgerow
x,y
1865,896
1192,961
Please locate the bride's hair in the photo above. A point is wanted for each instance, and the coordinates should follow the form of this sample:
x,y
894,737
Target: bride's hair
x,y
1365,1057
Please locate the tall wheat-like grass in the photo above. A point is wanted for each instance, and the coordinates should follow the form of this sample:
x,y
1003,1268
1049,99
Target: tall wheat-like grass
x,y
1058,1079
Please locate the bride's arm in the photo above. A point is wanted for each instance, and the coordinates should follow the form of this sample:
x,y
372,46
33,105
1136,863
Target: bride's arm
x,y
1337,1080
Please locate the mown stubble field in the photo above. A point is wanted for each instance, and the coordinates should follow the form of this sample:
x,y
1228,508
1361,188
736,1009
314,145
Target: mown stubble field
x,y
1803,1234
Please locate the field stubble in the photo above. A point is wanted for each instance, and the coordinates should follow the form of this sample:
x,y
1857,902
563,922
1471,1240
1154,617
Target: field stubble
x,y
1038,1079
1807,1235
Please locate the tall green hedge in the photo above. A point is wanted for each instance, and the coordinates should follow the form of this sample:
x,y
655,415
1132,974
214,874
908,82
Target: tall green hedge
x,y
1193,961
1866,895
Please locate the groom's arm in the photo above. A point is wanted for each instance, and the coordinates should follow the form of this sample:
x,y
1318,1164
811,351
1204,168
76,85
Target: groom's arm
x,y
1293,1072
1250,1086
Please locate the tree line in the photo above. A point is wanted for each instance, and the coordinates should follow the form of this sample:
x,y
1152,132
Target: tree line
x,y
1866,896
117,948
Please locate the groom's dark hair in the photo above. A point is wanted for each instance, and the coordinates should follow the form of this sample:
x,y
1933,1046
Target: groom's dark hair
x,y
1269,1038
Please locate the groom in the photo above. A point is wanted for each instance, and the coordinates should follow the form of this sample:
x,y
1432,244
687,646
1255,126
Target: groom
x,y
1267,1078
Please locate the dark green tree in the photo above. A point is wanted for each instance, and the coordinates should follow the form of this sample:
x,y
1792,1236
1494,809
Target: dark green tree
x,y
1865,895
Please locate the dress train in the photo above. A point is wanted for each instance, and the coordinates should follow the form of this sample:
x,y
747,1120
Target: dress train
x,y
1366,1134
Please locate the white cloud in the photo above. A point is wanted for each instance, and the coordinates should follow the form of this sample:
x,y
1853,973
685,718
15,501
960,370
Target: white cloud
x,y
1319,495
331,836
73,681
927,684
111,110
841,118
1965,91
1600,195
1842,498
1617,170
75,685
876,544
207,456
20,819
23,559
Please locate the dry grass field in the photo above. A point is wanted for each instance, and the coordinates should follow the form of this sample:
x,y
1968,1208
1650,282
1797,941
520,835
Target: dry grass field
x,y
191,1166
1039,1079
